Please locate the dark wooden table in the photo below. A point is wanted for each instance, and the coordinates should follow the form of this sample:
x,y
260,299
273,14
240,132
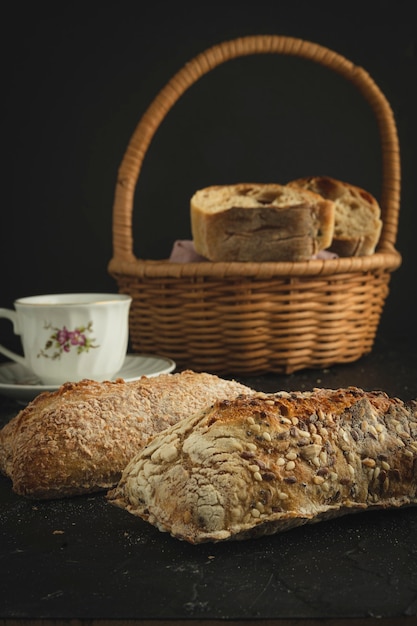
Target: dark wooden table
x,y
81,560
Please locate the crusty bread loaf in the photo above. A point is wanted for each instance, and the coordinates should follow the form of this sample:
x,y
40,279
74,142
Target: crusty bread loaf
x,y
79,439
267,463
357,225
260,222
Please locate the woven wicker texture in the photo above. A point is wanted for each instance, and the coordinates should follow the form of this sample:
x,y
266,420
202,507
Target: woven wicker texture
x,y
241,318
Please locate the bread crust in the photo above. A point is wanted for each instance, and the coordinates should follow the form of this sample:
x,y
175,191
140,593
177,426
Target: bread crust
x,y
79,438
259,465
358,224
260,222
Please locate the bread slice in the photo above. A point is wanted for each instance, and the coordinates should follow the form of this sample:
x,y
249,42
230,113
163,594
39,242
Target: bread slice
x,y
358,224
79,439
260,222
258,465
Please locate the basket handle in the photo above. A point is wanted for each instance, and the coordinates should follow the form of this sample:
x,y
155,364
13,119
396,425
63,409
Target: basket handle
x,y
131,164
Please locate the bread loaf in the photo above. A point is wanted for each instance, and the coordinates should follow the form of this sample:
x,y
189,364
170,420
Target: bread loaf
x,y
357,223
79,439
260,222
259,465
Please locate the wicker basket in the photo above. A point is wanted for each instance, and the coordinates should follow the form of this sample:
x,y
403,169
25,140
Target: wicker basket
x,y
246,318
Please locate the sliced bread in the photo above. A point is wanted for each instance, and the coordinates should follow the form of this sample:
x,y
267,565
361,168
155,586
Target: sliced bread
x,y
358,224
260,222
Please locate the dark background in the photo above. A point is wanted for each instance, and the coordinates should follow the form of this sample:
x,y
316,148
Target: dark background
x,y
77,78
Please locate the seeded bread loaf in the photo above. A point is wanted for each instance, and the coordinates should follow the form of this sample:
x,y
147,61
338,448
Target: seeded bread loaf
x,y
357,223
260,222
79,439
259,465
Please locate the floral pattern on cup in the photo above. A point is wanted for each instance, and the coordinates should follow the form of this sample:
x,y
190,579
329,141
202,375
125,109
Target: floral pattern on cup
x,y
63,340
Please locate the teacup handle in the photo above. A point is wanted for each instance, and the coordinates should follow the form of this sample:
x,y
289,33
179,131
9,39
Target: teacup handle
x,y
12,316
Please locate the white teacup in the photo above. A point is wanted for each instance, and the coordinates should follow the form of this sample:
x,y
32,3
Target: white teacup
x,y
68,337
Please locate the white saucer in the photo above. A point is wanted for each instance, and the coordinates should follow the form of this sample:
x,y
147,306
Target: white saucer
x,y
19,383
